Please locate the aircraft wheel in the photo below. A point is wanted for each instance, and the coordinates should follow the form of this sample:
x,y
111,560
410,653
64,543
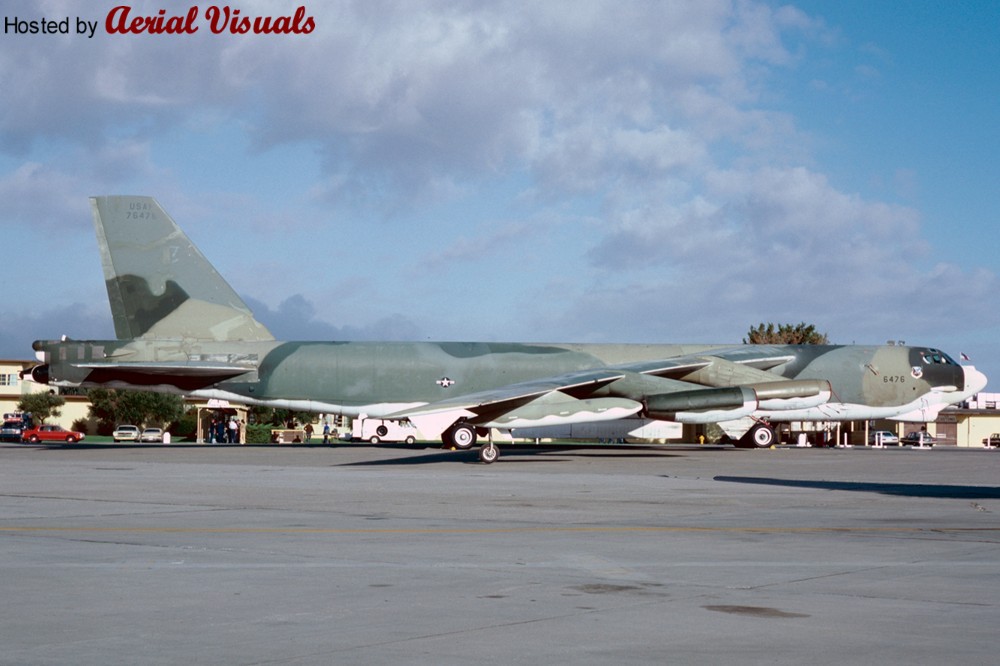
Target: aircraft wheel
x,y
761,436
463,436
489,453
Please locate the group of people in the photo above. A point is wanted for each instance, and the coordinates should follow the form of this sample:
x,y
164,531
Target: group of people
x,y
328,435
229,430
223,431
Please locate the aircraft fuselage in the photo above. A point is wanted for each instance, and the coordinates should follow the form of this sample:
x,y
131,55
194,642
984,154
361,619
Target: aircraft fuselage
x,y
379,378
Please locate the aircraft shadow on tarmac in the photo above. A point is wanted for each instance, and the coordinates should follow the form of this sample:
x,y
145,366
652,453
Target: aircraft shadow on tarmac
x,y
534,453
897,489
85,446
525,453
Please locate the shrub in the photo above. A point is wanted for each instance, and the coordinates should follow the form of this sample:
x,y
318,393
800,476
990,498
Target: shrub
x,y
259,433
185,427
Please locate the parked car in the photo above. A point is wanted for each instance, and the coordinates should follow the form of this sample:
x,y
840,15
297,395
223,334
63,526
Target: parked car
x,y
992,440
885,436
151,435
51,433
11,431
919,438
126,433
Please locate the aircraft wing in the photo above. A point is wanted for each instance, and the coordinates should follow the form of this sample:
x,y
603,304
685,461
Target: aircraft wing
x,y
701,388
549,401
721,385
682,366
585,381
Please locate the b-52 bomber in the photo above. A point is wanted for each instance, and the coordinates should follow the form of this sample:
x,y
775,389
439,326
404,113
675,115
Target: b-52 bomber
x,y
182,329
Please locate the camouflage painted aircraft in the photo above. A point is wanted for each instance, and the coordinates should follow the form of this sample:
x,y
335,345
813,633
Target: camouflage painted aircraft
x,y
181,328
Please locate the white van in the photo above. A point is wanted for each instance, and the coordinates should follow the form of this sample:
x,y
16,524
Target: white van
x,y
377,431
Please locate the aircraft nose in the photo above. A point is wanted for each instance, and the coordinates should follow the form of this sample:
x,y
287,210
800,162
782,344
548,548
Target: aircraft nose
x,y
975,381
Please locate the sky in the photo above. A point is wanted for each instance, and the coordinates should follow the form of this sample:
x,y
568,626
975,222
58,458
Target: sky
x,y
578,171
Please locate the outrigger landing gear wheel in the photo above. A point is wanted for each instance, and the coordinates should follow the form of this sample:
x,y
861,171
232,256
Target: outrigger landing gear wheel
x,y
488,453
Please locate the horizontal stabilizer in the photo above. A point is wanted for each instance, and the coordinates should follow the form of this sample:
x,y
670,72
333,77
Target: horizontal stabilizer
x,y
183,375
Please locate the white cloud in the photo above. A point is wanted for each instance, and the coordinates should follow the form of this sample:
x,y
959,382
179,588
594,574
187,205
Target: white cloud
x,y
778,244
296,318
403,98
78,321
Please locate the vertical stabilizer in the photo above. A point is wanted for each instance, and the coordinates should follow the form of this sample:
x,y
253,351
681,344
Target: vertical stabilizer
x,y
159,284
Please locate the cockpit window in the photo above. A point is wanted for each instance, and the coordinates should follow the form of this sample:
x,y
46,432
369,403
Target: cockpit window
x,y
936,357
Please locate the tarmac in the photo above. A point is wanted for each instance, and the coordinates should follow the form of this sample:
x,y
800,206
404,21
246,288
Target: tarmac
x,y
352,554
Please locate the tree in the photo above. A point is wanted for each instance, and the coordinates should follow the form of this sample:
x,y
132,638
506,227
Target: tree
x,y
279,417
112,406
785,334
41,405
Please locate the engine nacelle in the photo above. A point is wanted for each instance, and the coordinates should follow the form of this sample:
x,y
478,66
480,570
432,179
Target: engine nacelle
x,y
795,394
709,405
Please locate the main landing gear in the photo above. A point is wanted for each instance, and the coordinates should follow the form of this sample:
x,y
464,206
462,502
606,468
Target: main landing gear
x,y
463,436
760,436
460,436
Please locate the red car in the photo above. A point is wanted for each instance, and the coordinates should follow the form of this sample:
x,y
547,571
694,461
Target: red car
x,y
51,433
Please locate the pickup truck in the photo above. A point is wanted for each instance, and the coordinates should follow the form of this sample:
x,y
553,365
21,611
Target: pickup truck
x,y
992,440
